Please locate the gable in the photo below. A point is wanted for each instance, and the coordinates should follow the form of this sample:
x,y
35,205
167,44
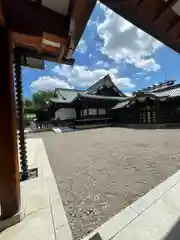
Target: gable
x,y
105,87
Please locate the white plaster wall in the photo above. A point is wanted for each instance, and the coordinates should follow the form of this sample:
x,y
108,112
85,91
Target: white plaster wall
x,y
66,113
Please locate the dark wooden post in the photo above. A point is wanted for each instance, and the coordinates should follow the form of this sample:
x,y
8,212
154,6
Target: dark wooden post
x,y
9,166
158,112
78,112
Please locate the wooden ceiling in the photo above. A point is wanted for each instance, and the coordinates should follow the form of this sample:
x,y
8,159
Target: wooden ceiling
x,y
159,18
39,31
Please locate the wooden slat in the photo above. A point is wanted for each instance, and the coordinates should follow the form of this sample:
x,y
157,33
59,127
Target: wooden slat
x,y
177,40
55,38
71,7
139,2
28,41
81,14
39,1
2,22
36,43
51,49
172,28
167,5
30,18
53,44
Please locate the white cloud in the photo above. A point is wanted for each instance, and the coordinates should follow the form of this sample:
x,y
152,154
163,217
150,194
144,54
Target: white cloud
x,y
82,47
124,41
147,78
148,65
101,63
48,83
83,77
90,55
140,73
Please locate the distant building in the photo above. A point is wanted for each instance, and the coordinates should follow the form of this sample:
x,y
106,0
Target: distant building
x,y
95,102
157,104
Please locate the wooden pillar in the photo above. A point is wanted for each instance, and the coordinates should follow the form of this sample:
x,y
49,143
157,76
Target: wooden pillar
x,y
158,112
78,112
9,166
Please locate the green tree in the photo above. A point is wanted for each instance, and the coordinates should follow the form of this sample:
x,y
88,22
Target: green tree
x,y
28,103
28,106
40,98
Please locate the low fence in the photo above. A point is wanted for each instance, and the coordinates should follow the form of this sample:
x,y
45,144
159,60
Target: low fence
x,y
41,126
38,126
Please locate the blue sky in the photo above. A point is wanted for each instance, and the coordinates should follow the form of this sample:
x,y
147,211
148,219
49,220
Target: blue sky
x,y
112,45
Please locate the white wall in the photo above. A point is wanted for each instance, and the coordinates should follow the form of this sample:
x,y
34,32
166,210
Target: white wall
x,y
66,113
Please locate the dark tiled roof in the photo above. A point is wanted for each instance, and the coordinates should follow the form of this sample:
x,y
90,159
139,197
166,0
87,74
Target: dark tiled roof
x,y
80,95
103,82
70,95
174,92
168,91
90,96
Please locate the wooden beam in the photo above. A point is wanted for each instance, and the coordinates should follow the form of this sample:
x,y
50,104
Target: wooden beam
x,y
139,2
172,27
44,56
177,40
167,6
9,163
54,44
30,18
55,38
81,14
2,22
39,1
27,41
71,7
49,43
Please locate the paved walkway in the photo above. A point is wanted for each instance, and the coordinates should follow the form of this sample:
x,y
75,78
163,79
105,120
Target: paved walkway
x,y
42,208
155,216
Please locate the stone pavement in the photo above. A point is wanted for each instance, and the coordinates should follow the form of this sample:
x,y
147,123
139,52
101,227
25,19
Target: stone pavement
x,y
42,211
155,216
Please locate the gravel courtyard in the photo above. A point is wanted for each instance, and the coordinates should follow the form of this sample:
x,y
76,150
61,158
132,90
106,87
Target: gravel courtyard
x,y
101,171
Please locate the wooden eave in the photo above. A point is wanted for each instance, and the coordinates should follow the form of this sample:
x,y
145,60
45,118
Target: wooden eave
x,y
157,18
43,33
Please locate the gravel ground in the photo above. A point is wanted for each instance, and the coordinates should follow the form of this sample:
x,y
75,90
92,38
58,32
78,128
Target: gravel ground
x,y
101,171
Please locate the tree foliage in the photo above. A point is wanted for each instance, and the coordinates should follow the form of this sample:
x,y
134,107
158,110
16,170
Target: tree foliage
x,y
28,103
28,106
40,98
38,101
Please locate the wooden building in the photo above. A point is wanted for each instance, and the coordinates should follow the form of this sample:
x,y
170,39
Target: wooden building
x,y
158,104
95,102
